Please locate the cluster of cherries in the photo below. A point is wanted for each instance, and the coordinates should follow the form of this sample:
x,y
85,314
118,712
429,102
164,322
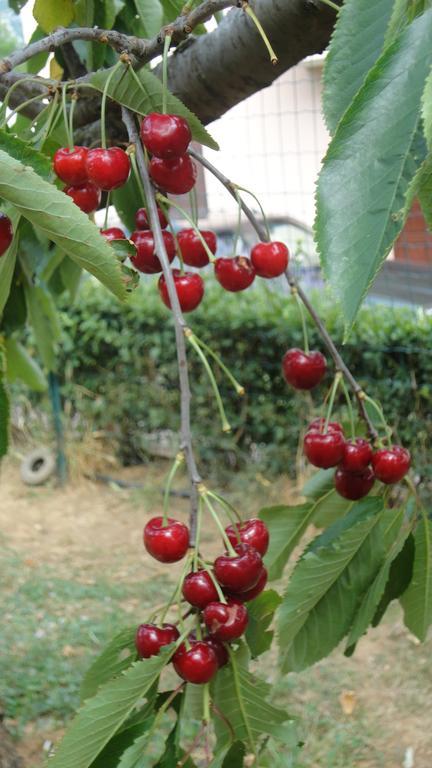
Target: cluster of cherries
x,y
89,171
6,233
240,576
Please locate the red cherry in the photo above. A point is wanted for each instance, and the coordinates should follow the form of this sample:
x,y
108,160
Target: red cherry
x,y
6,233
177,176
166,543
86,196
239,573
251,594
192,249
253,532
149,638
391,464
303,370
317,425
324,450
145,258
70,165
189,287
226,621
142,222
198,589
165,136
270,259
113,233
219,649
357,455
108,168
196,665
352,485
235,274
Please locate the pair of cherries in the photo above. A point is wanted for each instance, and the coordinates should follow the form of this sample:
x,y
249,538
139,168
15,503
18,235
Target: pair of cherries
x,y
6,233
267,260
88,171
166,138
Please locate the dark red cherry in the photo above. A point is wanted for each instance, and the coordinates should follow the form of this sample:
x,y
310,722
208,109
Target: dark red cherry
x,y
391,464
150,638
145,258
86,196
6,233
354,486
176,176
251,594
70,165
270,259
113,233
357,455
239,573
108,168
317,425
253,532
192,249
235,274
165,136
196,665
189,287
303,370
166,543
324,450
199,589
219,649
142,222
226,621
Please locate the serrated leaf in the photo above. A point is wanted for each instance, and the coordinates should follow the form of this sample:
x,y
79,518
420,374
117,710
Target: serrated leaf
x,y
261,612
44,320
123,249
101,716
327,583
148,748
111,662
70,274
286,526
368,167
54,213
20,365
50,14
22,151
400,576
125,90
404,11
4,407
427,111
151,15
229,756
126,200
417,600
36,63
360,29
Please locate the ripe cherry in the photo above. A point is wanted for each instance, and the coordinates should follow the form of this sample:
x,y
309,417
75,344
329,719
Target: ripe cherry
x,y
166,543
189,287
324,449
270,259
192,249
357,455
253,532
352,485
86,196
235,274
113,233
70,165
219,649
145,258
142,221
165,136
108,168
199,589
303,370
177,176
226,621
241,572
251,594
150,638
391,464
6,233
196,665
317,425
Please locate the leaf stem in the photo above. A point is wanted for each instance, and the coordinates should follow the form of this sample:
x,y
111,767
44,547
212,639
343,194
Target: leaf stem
x,y
167,43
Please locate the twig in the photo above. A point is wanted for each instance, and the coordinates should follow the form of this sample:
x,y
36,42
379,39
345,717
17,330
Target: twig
x,y
296,288
179,321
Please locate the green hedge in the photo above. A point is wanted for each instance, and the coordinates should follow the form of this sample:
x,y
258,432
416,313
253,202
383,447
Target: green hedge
x,y
122,377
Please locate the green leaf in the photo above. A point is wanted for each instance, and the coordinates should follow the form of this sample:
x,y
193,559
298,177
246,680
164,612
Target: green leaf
x,y
368,166
70,274
399,578
44,319
111,662
36,63
50,14
7,265
286,526
326,585
20,150
404,12
329,505
101,716
4,407
417,600
319,484
151,15
229,756
261,612
148,748
20,365
123,249
110,756
360,29
427,111
126,200
60,220
125,90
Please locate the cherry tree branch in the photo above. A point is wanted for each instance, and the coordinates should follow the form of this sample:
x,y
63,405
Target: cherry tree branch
x,y
340,365
180,324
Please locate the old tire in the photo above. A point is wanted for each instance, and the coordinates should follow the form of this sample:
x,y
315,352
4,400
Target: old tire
x,y
37,467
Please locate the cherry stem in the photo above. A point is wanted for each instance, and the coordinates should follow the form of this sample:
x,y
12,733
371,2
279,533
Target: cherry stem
x,y
257,200
167,43
333,391
230,510
13,87
175,238
252,15
104,103
107,205
65,116
206,712
21,106
349,406
175,594
226,427
331,5
71,117
198,534
238,387
380,413
40,138
177,462
220,527
238,227
194,205
198,627
216,584
181,210
137,176
294,292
